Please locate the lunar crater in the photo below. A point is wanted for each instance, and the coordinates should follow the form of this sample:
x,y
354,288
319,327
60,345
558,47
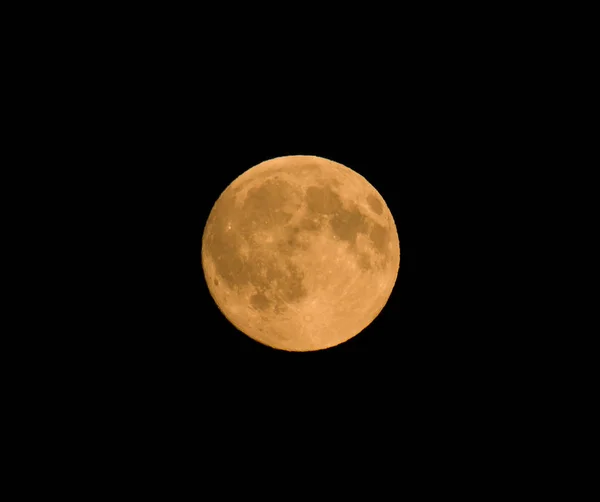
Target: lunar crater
x,y
374,204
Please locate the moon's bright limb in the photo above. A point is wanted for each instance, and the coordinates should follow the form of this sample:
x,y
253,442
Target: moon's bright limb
x,y
300,253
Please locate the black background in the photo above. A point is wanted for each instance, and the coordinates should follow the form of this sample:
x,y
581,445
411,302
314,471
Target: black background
x,y
162,123
171,134
159,124
183,179
168,165
174,124
148,120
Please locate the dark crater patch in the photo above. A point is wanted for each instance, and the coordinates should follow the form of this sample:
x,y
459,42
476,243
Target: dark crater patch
x,y
374,204
380,237
311,223
266,203
291,241
347,224
259,301
322,200
292,289
280,285
364,262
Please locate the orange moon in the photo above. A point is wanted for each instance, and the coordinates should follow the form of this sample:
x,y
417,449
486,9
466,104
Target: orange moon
x,y
300,253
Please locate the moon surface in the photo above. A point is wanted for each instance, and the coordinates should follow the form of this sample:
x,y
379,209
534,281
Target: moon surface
x,y
300,253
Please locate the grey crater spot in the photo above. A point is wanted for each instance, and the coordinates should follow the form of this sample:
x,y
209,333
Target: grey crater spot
x,y
374,204
364,262
310,223
292,289
322,200
379,235
271,204
291,241
347,224
259,301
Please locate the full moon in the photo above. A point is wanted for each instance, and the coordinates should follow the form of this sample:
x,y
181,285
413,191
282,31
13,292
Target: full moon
x,y
300,253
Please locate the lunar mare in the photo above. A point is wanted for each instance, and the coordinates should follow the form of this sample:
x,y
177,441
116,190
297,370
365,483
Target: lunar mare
x,y
300,253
